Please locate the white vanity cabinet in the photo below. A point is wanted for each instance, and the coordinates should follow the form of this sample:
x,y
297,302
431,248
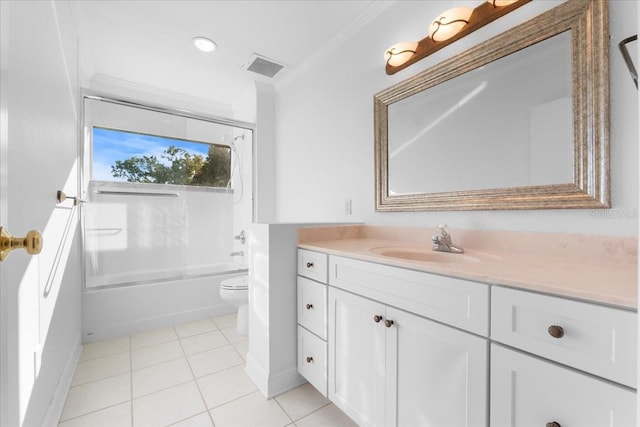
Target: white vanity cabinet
x,y
396,347
390,367
528,390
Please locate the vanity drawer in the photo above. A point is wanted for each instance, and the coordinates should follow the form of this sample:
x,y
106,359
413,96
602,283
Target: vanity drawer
x,y
312,265
527,391
312,359
596,339
460,303
312,306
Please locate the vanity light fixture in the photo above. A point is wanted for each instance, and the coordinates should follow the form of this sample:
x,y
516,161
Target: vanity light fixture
x,y
448,27
400,53
204,44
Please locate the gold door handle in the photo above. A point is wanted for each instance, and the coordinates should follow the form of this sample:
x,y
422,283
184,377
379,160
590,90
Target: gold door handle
x,y
61,197
32,243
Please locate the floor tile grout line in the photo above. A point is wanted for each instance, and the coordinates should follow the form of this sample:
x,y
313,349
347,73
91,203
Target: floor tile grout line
x,y
192,416
155,343
208,349
92,412
195,380
283,410
313,412
233,400
163,389
101,378
102,356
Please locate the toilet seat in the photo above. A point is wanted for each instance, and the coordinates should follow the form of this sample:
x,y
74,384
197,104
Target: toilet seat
x,y
239,283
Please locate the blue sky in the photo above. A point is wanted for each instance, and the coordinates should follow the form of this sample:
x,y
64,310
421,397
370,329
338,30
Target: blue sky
x,y
111,145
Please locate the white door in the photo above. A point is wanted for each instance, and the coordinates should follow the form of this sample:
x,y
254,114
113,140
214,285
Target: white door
x,y
356,357
436,375
4,58
38,149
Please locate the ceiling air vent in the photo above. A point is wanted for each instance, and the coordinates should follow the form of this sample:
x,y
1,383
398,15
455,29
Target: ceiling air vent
x,y
263,66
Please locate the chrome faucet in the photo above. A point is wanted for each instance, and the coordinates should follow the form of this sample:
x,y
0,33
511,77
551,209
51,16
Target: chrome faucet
x,y
239,253
242,237
442,241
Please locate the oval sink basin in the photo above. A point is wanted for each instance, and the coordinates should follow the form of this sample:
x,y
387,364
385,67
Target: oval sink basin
x,y
423,254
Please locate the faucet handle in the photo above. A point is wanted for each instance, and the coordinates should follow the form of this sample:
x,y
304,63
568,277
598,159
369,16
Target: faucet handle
x,y
242,237
443,229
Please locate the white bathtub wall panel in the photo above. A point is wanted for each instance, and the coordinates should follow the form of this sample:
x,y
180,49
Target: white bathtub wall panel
x,y
113,312
133,235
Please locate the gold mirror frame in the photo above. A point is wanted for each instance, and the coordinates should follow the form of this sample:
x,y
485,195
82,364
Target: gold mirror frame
x,y
588,23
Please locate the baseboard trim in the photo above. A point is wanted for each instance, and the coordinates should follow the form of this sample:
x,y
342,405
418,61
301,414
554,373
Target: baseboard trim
x,y
156,322
54,411
272,384
284,381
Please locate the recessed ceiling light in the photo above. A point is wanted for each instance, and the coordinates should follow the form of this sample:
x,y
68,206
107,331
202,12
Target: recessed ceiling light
x,y
204,44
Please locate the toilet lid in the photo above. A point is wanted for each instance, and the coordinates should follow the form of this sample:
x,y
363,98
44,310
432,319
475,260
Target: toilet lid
x,y
239,283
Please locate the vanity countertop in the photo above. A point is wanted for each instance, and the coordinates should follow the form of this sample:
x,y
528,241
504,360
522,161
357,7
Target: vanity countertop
x,y
591,268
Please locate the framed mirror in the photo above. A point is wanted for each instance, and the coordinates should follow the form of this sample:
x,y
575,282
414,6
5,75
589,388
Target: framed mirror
x,y
520,121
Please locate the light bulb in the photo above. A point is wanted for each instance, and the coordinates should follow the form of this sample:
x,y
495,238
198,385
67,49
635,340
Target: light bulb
x,y
449,23
500,3
400,53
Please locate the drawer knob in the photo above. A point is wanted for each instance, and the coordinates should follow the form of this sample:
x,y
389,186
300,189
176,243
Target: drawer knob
x,y
556,332
377,318
309,265
309,306
388,323
553,424
310,359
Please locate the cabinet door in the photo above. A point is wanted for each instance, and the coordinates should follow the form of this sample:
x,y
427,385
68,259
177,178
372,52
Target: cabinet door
x,y
356,357
526,391
436,375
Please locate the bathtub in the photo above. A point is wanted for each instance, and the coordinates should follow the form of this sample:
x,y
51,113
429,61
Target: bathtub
x,y
146,302
156,275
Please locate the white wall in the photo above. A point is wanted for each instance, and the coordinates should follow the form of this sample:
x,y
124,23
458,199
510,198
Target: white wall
x,y
324,129
272,357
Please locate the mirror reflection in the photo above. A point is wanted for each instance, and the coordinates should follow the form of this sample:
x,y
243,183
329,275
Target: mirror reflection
x,y
505,124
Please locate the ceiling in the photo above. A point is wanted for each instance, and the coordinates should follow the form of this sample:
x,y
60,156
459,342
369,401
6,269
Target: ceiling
x,y
149,42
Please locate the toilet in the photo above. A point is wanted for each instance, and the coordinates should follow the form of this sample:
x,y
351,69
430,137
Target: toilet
x,y
235,290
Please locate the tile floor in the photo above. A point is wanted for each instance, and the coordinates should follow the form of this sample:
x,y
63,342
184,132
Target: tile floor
x,y
187,375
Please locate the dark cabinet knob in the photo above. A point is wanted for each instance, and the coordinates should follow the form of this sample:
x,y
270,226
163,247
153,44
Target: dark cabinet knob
x,y
309,264
309,306
377,318
310,359
556,332
388,323
553,424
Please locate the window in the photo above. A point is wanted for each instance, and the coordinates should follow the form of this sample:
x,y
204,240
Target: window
x,y
124,156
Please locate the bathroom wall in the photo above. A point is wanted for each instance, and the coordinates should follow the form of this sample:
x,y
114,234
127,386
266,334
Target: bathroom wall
x,y
324,128
257,105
